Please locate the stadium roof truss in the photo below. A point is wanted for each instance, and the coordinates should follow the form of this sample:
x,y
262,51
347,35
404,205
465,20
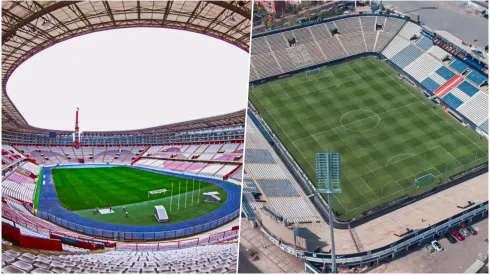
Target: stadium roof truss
x,y
29,27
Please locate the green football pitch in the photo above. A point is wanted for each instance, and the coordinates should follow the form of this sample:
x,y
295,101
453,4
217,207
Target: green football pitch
x,y
81,190
387,132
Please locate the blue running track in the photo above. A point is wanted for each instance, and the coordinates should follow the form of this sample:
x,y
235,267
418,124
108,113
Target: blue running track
x,y
50,208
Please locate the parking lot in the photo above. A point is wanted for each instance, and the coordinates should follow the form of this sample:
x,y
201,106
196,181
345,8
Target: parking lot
x,y
455,258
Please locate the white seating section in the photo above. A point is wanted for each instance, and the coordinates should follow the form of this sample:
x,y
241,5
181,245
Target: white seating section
x,y
460,94
409,30
31,167
476,108
422,67
199,259
294,210
437,52
395,46
19,186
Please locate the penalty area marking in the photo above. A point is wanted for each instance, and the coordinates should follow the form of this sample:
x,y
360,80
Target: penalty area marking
x,y
407,154
365,110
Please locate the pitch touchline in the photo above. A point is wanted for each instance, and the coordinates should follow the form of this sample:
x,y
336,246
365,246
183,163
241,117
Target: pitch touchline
x,y
376,114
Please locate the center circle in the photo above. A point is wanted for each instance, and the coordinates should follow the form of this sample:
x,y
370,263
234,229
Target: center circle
x,y
360,120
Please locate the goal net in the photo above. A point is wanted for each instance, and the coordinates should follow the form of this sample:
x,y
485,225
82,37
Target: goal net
x,y
424,180
312,71
159,191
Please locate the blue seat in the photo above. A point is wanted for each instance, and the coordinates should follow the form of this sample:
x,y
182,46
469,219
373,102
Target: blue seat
x,y
484,126
477,77
430,84
445,73
459,65
406,56
424,43
467,88
452,101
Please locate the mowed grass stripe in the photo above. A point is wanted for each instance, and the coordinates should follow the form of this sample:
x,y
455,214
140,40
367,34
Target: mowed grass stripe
x,y
408,125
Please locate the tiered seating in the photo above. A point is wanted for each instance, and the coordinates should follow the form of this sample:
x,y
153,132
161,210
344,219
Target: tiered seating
x,y
406,56
225,171
10,155
277,41
430,84
31,167
382,40
98,156
265,171
60,154
211,169
459,65
425,43
397,45
460,94
237,176
303,36
19,186
260,46
392,25
467,88
368,23
452,100
266,65
409,30
477,77
293,209
438,53
319,32
370,38
476,109
277,187
445,73
348,25
422,67
353,43
332,48
199,259
484,126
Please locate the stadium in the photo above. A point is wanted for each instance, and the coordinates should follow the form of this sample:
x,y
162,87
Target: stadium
x,y
405,107
160,199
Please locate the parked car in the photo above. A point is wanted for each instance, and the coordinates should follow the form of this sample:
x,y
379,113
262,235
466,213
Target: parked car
x,y
472,230
437,246
457,235
450,238
430,248
464,232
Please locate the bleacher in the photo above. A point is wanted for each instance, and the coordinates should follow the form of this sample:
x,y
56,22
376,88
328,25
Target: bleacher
x,y
446,73
18,186
409,30
397,45
424,43
460,94
438,53
406,56
430,84
476,108
199,259
422,67
348,25
467,88
452,101
459,65
354,43
484,126
368,23
477,77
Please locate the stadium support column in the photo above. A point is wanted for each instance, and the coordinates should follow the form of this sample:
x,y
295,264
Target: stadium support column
x,y
76,142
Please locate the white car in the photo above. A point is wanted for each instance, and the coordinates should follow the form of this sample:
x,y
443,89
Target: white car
x,y
464,232
430,248
437,246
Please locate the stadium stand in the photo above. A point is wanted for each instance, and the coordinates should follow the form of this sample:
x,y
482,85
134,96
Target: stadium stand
x,y
397,45
438,53
459,65
467,88
424,43
430,84
422,67
409,30
452,100
444,72
348,25
406,56
460,94
199,259
476,77
476,108
484,126
277,187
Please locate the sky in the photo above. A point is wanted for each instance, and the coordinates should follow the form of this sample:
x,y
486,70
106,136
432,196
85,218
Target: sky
x,y
130,79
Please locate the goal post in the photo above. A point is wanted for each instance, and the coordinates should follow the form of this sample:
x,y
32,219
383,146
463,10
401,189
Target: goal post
x,y
158,191
424,180
312,71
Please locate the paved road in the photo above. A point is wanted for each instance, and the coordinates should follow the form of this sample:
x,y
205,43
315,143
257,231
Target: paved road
x,y
447,16
455,258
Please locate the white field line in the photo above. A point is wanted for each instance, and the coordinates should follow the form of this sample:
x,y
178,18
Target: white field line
x,y
324,89
397,156
423,102
312,135
369,187
452,156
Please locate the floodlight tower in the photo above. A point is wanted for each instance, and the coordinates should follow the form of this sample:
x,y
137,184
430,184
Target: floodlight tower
x,y
76,143
328,181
